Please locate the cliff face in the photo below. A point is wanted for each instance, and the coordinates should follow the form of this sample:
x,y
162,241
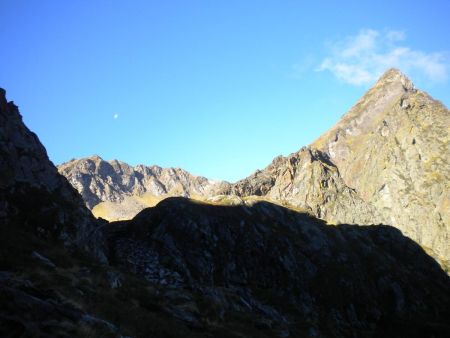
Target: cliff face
x,y
33,194
115,190
393,148
386,161
310,181
43,225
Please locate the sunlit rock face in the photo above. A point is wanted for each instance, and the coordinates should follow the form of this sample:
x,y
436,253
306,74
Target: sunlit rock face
x,y
396,141
386,161
115,190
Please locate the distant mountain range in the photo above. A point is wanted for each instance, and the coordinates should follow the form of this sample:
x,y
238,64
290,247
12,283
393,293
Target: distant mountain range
x,y
115,190
387,161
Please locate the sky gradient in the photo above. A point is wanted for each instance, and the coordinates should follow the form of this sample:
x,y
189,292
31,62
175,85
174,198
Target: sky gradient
x,y
218,88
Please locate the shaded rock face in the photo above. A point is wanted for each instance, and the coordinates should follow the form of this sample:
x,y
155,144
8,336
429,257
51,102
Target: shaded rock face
x,y
284,271
127,189
44,313
386,161
39,209
32,193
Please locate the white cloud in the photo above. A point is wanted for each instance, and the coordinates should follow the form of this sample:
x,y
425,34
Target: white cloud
x,y
395,35
362,58
115,116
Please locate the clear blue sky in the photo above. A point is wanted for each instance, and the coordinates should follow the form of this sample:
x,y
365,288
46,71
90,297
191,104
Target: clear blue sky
x,y
216,87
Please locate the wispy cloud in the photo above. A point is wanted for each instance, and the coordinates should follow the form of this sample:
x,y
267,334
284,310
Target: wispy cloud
x,y
362,58
115,116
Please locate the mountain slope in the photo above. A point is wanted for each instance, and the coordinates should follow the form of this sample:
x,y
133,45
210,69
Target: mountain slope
x,y
285,273
387,161
29,182
393,148
115,190
309,180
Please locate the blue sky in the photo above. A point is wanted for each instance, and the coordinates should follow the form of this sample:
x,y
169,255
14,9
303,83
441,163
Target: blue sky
x,y
216,87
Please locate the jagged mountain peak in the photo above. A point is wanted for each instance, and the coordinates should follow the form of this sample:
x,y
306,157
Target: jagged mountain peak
x,y
95,157
116,190
394,75
386,161
392,88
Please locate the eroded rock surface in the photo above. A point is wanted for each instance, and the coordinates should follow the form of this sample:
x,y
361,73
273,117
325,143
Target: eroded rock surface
x,y
393,148
120,191
386,161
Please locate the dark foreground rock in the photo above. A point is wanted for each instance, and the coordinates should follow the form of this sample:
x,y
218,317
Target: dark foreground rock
x,y
287,273
34,195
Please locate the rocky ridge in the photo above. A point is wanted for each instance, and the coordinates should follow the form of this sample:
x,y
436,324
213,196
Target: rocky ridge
x,y
115,190
385,162
279,269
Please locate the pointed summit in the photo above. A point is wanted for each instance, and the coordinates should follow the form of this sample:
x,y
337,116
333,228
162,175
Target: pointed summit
x,y
384,162
392,88
392,148
394,75
95,158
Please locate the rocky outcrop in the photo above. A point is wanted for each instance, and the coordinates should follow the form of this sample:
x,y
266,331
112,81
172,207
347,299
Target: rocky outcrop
x,y
115,190
310,181
32,193
393,148
387,161
40,210
287,273
44,313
